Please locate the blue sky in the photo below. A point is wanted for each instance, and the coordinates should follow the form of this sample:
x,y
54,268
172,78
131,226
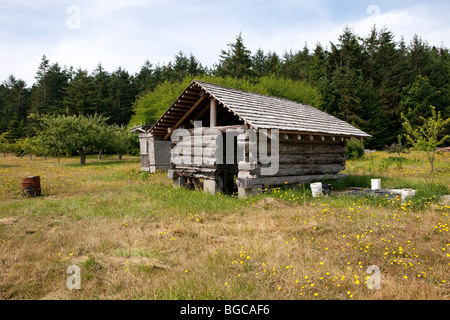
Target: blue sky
x,y
126,33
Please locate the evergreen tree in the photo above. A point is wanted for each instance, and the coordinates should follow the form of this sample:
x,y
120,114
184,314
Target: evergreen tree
x,y
272,64
259,63
47,93
194,68
15,130
144,80
80,96
14,101
179,69
5,112
418,98
317,65
235,62
102,79
122,93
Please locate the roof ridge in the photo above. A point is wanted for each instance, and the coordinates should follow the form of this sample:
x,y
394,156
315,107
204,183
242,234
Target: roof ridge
x,y
253,93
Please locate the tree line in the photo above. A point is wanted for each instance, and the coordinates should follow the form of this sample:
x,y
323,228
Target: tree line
x,y
368,81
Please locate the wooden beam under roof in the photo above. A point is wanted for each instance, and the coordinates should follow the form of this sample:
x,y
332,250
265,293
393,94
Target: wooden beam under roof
x,y
186,115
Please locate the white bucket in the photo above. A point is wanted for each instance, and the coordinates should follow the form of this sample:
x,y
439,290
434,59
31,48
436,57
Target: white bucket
x,y
316,189
408,193
376,184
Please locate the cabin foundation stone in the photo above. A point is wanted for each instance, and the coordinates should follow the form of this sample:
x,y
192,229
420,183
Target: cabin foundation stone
x,y
253,191
212,186
179,181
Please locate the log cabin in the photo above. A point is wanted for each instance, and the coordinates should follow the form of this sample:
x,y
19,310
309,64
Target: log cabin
x,y
228,140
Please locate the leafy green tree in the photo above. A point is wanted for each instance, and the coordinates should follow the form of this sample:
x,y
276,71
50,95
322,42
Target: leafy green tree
x,y
150,106
427,137
354,149
121,140
25,146
51,140
74,133
5,146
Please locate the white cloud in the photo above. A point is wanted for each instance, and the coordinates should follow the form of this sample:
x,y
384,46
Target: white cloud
x,y
125,33
422,20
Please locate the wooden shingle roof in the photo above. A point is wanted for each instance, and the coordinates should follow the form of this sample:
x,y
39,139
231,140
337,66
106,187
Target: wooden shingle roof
x,y
266,112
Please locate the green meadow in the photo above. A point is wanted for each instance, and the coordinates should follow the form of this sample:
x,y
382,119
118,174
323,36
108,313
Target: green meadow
x,y
134,236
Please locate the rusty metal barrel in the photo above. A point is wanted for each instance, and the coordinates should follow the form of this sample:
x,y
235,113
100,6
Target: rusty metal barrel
x,y
31,186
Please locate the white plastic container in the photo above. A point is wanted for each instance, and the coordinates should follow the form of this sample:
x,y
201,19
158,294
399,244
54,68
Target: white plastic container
x,y
376,184
316,189
408,193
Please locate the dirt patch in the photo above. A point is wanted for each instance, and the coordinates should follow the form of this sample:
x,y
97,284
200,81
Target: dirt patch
x,y
445,200
268,203
57,295
8,221
119,261
112,263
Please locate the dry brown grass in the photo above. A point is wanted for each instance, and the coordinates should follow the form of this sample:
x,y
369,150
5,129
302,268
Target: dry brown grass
x,y
135,242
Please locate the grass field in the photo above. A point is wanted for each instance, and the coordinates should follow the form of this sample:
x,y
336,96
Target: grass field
x,y
134,236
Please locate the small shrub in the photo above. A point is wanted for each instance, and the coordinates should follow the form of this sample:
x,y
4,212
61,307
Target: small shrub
x,y
393,148
355,149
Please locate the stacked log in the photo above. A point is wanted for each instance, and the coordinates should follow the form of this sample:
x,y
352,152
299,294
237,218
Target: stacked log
x,y
201,154
297,161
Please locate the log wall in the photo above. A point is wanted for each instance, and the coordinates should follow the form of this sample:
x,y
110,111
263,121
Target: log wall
x,y
203,153
298,161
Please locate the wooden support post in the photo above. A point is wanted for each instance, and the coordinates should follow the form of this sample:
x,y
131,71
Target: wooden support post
x,y
213,113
